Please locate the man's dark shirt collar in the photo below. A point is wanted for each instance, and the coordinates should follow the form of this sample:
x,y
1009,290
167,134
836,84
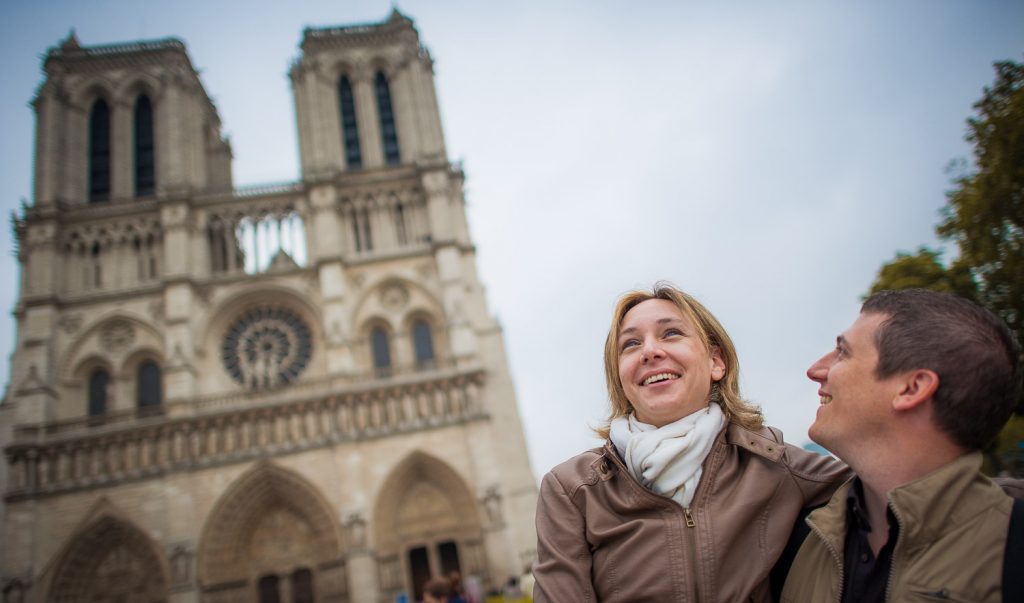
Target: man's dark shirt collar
x,y
865,578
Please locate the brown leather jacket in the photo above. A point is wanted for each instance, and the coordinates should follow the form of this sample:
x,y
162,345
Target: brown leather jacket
x,y
604,537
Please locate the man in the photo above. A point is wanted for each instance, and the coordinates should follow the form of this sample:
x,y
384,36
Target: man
x,y
913,390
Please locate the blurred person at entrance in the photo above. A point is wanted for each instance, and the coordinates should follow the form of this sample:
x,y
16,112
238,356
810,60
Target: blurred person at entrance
x,y
436,590
691,498
457,594
911,393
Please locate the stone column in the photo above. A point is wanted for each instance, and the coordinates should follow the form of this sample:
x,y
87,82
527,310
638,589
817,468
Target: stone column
x,y
301,77
48,111
404,103
122,150
361,568
368,118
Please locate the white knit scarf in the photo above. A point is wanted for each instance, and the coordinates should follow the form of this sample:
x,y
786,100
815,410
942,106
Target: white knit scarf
x,y
668,460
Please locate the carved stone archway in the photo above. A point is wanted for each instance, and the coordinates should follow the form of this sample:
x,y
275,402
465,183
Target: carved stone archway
x,y
426,523
270,524
110,561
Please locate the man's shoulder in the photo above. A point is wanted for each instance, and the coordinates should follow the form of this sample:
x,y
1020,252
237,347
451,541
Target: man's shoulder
x,y
1011,485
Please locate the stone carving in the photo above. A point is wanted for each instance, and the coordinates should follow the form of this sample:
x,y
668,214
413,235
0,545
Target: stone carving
x,y
492,504
181,566
156,310
245,434
281,538
394,296
425,270
117,335
425,508
70,322
355,531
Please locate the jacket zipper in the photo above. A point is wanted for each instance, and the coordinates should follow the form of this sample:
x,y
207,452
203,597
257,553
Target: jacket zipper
x,y
835,557
687,516
692,542
894,557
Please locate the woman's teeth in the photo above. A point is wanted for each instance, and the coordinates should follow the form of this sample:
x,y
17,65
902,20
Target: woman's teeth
x,y
659,377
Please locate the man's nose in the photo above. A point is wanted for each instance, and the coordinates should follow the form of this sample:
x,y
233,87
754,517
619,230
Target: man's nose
x,y
819,370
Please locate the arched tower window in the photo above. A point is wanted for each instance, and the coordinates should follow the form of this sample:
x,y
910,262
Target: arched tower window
x,y
99,151
98,383
149,389
423,343
388,133
349,129
381,349
145,164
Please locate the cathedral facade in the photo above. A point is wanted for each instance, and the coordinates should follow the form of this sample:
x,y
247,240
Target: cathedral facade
x,y
290,393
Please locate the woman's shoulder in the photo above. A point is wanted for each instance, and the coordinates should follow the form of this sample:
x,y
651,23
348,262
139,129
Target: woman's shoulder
x,y
768,443
762,441
584,468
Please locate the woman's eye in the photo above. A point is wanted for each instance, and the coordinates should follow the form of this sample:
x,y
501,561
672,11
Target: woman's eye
x,y
629,343
673,333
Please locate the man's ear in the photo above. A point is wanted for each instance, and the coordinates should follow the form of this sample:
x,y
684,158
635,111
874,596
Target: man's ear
x,y
916,387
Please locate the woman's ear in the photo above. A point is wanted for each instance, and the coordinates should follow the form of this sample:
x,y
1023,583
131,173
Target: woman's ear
x,y
717,365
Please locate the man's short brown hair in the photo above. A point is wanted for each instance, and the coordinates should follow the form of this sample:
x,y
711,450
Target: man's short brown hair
x,y
974,353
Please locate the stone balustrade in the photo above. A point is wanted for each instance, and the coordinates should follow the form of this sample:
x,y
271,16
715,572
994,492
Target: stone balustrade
x,y
42,464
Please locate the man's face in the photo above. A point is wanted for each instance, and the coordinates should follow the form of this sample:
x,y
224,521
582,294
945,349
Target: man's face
x,y
856,406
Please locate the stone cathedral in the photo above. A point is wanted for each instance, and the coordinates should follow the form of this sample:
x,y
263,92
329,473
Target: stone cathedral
x,y
292,392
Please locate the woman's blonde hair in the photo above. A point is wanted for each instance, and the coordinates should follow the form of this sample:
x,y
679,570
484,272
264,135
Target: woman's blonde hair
x,y
726,391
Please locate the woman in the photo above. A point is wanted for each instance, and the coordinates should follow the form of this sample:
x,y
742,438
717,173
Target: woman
x,y
691,498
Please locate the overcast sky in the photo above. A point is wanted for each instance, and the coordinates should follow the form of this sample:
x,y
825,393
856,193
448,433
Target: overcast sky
x,y
764,156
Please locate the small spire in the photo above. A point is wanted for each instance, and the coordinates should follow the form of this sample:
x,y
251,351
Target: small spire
x,y
396,15
70,42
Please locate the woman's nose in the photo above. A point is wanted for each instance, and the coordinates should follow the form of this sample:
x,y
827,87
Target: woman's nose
x,y
651,349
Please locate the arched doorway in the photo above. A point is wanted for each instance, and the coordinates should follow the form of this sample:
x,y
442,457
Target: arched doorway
x,y
426,525
110,561
272,539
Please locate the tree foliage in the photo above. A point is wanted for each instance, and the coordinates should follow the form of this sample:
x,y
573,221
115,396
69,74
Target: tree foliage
x,y
985,212
924,270
984,218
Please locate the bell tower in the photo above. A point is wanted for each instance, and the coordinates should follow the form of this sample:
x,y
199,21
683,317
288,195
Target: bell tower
x,y
125,135
127,121
364,98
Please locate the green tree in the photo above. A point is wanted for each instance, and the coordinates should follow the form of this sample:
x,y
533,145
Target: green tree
x,y
984,218
924,270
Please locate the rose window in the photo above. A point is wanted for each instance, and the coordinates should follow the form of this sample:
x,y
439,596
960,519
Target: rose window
x,y
266,347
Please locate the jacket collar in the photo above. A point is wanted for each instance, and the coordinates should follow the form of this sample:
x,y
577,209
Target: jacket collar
x,y
924,508
759,442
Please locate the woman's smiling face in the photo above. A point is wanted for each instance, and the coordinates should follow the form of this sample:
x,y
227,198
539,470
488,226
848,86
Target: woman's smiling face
x,y
665,368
